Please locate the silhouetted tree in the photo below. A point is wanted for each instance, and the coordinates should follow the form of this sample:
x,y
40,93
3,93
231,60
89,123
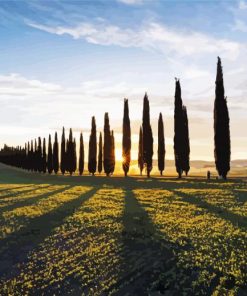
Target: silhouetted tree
x,y
147,137
161,145
140,152
44,157
39,156
126,143
35,156
113,160
222,143
55,155
66,157
92,152
32,157
28,156
178,130
81,155
100,156
107,146
63,153
186,146
70,153
49,157
74,156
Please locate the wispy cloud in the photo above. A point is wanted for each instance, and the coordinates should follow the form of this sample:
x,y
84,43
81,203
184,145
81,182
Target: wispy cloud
x,y
239,26
131,2
242,5
153,36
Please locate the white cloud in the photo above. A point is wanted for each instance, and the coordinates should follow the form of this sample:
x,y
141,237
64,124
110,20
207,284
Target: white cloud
x,y
242,5
239,26
15,84
153,36
131,2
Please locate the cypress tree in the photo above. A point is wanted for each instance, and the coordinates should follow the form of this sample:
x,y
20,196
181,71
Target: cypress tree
x,y
147,136
178,130
140,152
74,157
49,157
126,143
161,145
107,146
28,156
81,155
92,153
222,142
35,156
66,162
44,157
39,155
70,158
63,152
186,159
55,155
100,154
113,160
32,157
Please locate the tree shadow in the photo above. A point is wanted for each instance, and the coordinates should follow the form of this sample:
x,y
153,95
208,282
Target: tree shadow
x,y
234,219
11,194
15,248
241,195
29,201
147,256
14,188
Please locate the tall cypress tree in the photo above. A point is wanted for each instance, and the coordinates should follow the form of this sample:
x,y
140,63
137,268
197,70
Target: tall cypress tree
x,y
178,130
70,153
32,157
186,157
92,153
100,157
81,155
222,142
44,157
126,143
113,160
39,155
35,156
74,157
107,146
28,156
49,157
147,137
55,155
66,157
63,152
161,145
140,152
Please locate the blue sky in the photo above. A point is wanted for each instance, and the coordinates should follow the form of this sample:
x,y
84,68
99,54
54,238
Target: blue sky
x,y
62,62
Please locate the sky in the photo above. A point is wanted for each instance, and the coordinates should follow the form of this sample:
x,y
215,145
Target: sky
x,y
62,62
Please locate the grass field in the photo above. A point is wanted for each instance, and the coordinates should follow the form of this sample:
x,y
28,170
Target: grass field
x,y
64,235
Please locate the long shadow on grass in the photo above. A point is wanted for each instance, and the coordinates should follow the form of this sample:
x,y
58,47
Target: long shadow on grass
x,y
235,219
14,188
12,194
30,200
15,248
146,254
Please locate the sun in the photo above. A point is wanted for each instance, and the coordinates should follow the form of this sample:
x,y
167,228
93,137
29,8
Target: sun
x,y
118,154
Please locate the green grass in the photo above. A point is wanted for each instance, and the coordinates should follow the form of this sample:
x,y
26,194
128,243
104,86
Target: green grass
x,y
63,235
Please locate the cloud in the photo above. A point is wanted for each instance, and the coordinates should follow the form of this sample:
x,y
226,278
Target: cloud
x,y
131,2
242,5
15,84
239,26
153,36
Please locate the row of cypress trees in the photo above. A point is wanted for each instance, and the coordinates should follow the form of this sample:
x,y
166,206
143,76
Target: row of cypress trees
x,y
33,157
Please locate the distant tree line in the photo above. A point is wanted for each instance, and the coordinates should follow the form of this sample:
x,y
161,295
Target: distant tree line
x,y
36,157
